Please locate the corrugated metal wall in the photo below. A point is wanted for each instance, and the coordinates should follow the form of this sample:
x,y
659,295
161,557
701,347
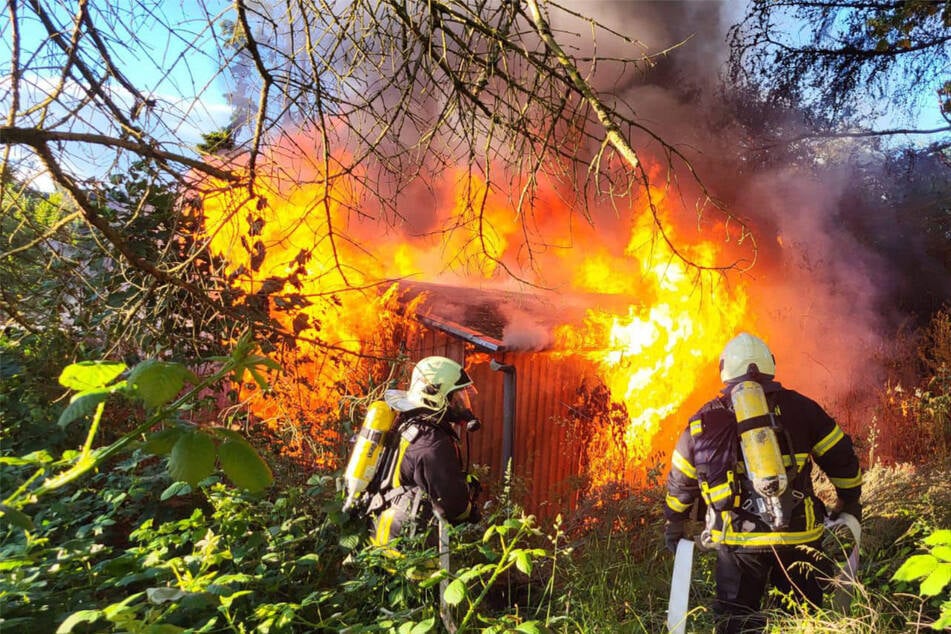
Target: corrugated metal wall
x,y
547,452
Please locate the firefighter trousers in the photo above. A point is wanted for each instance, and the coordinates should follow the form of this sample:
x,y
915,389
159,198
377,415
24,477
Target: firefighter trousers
x,y
742,578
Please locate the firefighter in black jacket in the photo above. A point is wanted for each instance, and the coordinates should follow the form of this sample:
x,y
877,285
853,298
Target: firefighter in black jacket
x,y
757,523
426,475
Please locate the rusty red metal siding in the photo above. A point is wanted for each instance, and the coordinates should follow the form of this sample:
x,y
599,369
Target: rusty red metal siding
x,y
547,453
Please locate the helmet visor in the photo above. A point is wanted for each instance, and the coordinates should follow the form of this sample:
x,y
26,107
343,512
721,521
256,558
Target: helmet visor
x,y
463,397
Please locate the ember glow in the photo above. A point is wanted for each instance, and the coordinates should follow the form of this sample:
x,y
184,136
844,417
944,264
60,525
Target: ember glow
x,y
322,261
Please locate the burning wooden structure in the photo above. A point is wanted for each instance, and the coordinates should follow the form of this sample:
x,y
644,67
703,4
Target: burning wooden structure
x,y
581,383
537,404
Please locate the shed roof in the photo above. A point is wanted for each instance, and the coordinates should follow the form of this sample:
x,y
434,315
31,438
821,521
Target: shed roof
x,y
500,320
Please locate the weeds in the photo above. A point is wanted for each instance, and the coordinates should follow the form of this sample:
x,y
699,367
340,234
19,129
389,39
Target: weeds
x,y
131,546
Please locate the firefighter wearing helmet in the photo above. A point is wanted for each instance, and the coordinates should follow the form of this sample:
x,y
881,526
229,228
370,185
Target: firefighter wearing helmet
x,y
746,457
426,476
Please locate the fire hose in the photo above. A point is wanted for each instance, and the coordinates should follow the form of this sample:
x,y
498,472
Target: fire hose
x,y
848,573
683,566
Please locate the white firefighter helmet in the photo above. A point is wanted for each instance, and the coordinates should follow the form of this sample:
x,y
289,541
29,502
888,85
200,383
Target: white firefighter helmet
x,y
744,355
433,380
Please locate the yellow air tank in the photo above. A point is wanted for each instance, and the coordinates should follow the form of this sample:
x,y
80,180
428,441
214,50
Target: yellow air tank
x,y
365,457
762,456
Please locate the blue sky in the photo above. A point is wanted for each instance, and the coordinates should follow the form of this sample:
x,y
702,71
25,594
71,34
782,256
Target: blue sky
x,y
163,47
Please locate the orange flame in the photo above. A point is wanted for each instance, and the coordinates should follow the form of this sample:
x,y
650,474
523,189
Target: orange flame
x,y
310,244
656,355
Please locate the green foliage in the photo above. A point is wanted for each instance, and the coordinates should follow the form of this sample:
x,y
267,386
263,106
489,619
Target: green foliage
x,y
115,555
143,535
471,585
932,571
161,388
28,393
217,141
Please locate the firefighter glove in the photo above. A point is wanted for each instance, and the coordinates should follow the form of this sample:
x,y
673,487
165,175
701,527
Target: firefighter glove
x,y
673,532
852,507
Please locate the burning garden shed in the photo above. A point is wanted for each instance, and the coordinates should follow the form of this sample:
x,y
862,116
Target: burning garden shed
x,y
539,406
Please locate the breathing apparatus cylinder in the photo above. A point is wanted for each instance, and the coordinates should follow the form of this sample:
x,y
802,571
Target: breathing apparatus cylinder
x,y
759,444
365,456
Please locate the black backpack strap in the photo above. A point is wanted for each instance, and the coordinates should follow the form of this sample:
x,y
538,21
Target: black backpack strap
x,y
385,483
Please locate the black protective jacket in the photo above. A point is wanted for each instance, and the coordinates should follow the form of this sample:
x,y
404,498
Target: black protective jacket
x,y
707,464
425,477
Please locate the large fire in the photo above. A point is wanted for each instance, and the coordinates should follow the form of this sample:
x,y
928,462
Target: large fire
x,y
323,263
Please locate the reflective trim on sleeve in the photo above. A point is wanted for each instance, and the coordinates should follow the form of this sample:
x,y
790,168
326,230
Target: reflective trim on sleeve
x,y
696,426
828,442
683,465
847,483
404,443
674,504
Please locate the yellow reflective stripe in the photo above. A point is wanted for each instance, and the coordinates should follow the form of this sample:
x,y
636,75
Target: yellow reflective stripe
x,y
683,465
705,492
696,426
465,513
720,492
847,483
675,504
773,538
800,460
383,525
828,442
399,461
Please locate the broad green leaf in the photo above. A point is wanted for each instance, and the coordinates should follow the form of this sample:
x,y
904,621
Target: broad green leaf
x,y
89,375
455,592
940,537
474,572
522,561
175,488
350,541
74,619
34,457
532,627
192,458
433,579
915,567
944,621
161,442
942,552
15,517
83,404
158,382
164,595
424,626
309,559
12,563
244,466
226,601
934,584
